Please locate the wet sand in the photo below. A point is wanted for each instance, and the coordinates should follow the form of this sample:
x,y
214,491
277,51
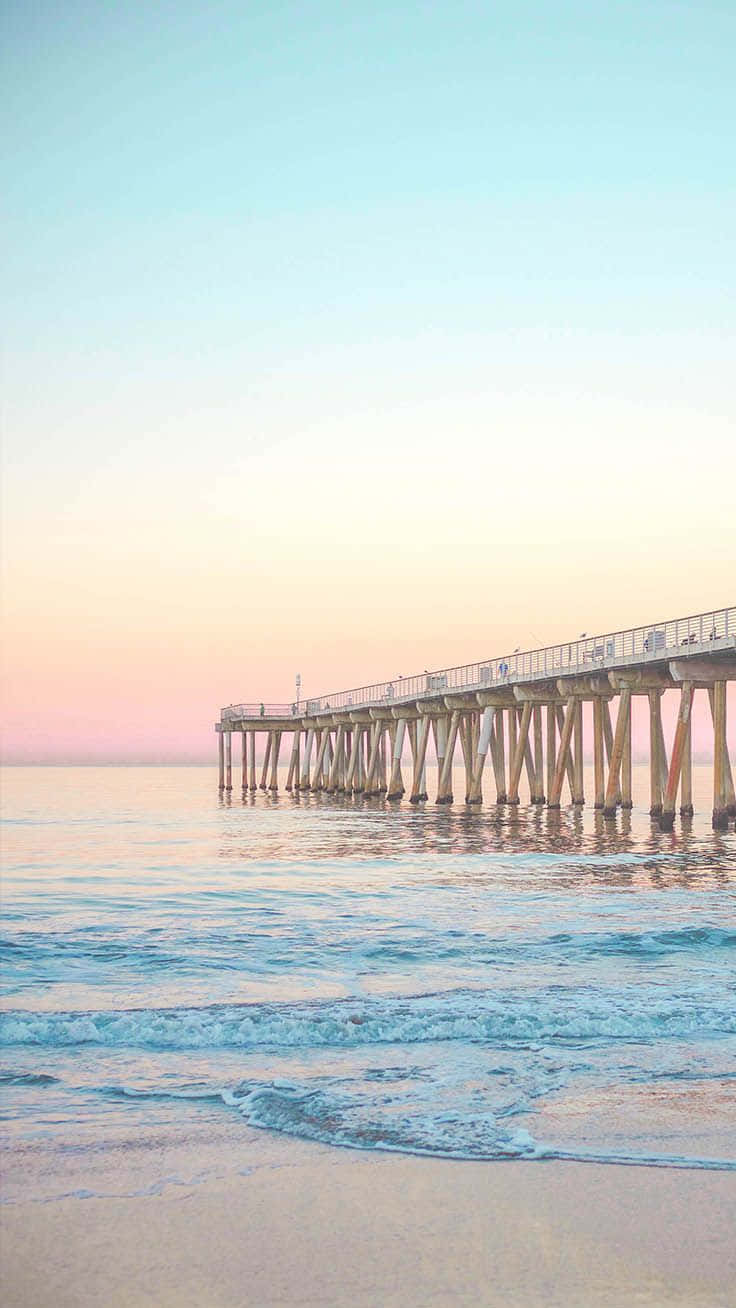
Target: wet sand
x,y
286,1222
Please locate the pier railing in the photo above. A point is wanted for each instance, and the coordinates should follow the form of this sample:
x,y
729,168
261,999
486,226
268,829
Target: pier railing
x,y
260,710
651,643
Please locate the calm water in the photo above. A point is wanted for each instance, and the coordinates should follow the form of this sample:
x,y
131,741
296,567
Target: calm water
x,y
474,984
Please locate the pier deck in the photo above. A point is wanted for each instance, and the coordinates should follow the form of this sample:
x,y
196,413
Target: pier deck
x,y
524,710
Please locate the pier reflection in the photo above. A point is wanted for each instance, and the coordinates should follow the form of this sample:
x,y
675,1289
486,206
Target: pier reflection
x,y
579,843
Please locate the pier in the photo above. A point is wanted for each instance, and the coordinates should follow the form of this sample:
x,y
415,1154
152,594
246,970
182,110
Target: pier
x,y
511,718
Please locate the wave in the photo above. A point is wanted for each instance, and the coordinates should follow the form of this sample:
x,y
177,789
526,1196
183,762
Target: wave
x,y
330,1117
501,1017
27,1078
187,954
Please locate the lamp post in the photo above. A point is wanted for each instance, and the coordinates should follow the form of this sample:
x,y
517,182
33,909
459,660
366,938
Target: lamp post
x,y
298,687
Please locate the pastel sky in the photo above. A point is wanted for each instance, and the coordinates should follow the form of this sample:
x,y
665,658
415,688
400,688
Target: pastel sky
x,y
353,339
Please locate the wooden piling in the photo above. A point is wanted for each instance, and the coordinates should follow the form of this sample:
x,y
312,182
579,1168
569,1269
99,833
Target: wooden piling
x,y
293,765
520,739
578,796
667,817
551,746
417,787
273,784
569,765
351,779
244,760
538,797
475,794
266,761
465,732
371,784
323,736
382,760
563,754
396,782
228,760
608,742
221,760
252,784
720,757
598,753
498,756
333,779
727,773
444,788
617,752
655,779
513,731
626,770
686,773
305,781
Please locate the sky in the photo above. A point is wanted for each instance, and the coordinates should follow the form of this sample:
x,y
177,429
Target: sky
x,y
353,339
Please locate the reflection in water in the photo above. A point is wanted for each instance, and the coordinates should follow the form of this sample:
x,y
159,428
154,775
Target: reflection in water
x,y
477,982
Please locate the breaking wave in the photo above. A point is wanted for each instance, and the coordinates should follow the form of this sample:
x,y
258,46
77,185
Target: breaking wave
x,y
503,1017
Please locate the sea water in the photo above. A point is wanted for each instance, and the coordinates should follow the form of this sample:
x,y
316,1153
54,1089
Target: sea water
x,y
485,983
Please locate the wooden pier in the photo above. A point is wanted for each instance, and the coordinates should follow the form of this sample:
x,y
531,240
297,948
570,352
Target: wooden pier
x,y
523,712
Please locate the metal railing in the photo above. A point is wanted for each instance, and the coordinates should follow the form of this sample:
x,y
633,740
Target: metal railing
x,y
654,642
260,710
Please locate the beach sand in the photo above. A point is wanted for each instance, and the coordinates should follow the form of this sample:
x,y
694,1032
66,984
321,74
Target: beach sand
x,y
238,1216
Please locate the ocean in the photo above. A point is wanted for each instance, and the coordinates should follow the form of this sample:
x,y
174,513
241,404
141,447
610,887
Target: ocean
x,y
467,983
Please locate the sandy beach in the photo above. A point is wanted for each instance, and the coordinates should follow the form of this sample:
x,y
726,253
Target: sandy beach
x,y
238,1216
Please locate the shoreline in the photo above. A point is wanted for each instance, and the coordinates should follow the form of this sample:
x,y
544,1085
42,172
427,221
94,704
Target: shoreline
x,y
240,1216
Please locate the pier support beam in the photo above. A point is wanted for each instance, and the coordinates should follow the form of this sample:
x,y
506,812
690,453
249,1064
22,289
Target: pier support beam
x,y
396,783
617,751
361,763
266,761
351,774
686,773
721,761
626,793
513,729
323,737
667,819
418,791
520,745
252,761
578,795
444,789
244,760
727,773
569,769
273,784
333,780
468,741
551,746
498,757
655,766
608,742
475,794
538,796
564,753
228,760
382,760
371,784
221,760
294,761
304,782
599,774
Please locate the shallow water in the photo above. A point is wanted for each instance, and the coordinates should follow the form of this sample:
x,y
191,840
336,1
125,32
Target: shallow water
x,y
486,983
